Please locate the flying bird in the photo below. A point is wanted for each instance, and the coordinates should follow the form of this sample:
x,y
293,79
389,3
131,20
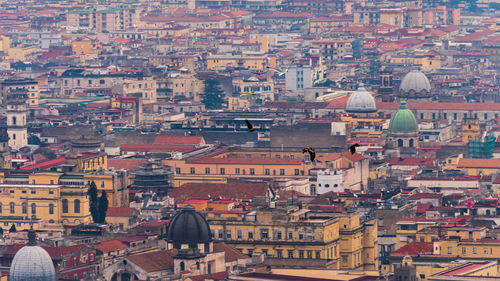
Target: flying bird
x,y
250,127
353,148
311,151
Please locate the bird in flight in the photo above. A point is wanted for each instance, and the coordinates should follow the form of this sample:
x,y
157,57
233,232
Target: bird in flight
x,y
311,151
249,125
353,148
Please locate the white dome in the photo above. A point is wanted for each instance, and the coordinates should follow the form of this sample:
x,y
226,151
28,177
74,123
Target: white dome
x,y
415,81
32,263
361,101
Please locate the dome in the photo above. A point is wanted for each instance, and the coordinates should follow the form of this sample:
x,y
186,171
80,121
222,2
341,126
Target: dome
x,y
403,120
188,227
361,101
32,263
415,81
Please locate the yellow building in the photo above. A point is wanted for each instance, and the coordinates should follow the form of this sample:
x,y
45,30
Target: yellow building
x,y
392,17
85,47
251,91
290,234
64,203
471,130
252,62
186,85
28,85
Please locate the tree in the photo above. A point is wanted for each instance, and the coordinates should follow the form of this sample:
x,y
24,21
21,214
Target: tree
x,y
34,139
93,201
13,228
103,207
213,97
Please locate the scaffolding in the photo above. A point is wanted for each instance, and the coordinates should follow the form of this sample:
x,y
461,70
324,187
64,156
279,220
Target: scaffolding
x,y
483,147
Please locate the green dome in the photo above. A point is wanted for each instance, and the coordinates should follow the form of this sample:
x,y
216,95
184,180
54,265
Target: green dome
x,y
403,120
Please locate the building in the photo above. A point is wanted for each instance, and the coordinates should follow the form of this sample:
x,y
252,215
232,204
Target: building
x,y
304,73
250,92
333,51
296,236
251,62
17,115
28,85
402,136
103,19
415,87
32,263
482,147
5,156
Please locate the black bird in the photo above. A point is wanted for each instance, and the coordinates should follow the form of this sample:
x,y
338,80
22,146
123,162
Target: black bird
x,y
250,127
353,148
311,151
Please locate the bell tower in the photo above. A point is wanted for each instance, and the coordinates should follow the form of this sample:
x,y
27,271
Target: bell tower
x,y
16,119
386,86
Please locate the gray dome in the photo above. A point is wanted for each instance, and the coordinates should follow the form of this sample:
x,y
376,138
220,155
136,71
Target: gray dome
x,y
415,82
361,101
188,227
32,263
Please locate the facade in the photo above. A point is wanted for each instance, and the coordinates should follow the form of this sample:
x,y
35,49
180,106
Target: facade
x,y
28,85
252,62
250,92
287,235
333,51
99,20
304,74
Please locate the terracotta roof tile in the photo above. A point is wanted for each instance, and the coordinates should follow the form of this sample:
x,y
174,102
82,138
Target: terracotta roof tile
x,y
241,191
415,248
178,140
125,164
478,163
119,211
154,261
111,245
230,253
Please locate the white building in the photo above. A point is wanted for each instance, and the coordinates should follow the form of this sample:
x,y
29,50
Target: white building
x,y
16,120
329,180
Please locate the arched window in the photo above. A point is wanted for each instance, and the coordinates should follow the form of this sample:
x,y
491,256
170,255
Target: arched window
x,y
77,206
183,267
65,206
411,142
24,208
51,209
400,143
12,207
33,209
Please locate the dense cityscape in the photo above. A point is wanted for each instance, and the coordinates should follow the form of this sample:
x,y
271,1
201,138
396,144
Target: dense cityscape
x,y
249,140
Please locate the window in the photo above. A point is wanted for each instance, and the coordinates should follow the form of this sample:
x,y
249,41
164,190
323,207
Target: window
x,y
239,234
301,254
33,181
400,143
182,266
222,171
282,172
301,235
474,250
464,251
290,235
318,255
250,235
264,251
12,207
0,208
485,250
77,206
177,170
192,171
309,254
278,235
297,172
24,208
290,254
228,233
252,171
264,233
51,209
309,235
267,172
33,209
279,254
221,234
449,250
207,171
237,171
65,206
344,258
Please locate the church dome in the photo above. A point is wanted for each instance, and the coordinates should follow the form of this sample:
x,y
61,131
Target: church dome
x,y
403,120
361,101
415,82
188,227
32,263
